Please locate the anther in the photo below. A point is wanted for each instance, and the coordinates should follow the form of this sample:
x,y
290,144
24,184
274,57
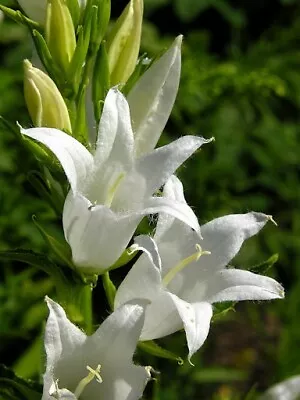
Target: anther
x,y
93,374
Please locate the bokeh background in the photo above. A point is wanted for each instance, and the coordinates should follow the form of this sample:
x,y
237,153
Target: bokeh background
x,y
241,84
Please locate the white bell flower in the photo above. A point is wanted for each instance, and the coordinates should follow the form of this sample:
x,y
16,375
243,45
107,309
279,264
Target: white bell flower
x,y
182,281
98,366
288,389
112,189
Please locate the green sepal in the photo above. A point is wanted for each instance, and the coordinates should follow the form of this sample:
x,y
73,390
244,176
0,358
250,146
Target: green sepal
x,y
62,251
124,259
44,54
80,53
154,349
17,16
264,267
100,27
139,70
221,309
101,81
13,387
75,11
80,126
109,288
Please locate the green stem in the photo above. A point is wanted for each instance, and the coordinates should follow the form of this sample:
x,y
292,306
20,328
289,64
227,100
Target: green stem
x,y
87,310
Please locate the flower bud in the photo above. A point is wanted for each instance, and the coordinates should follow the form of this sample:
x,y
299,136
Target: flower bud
x,y
60,32
44,101
124,42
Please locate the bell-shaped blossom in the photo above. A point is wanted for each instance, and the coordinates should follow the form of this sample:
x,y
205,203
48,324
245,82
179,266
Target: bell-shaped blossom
x,y
98,366
289,389
182,280
113,189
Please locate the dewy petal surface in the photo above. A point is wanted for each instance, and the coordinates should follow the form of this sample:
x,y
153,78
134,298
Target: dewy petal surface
x,y
75,159
152,98
111,346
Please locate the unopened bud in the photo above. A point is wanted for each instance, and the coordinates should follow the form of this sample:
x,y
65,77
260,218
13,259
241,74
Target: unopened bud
x,y
44,101
60,32
124,43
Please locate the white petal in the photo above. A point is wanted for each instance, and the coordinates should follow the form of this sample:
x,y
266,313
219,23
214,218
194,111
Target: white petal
x,y
75,159
223,237
148,246
154,169
152,98
61,337
178,210
173,190
144,281
237,285
112,346
289,389
196,321
35,9
96,235
115,137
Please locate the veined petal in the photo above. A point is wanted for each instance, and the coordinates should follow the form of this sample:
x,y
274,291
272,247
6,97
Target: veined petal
x,y
35,9
75,159
153,96
289,389
196,321
153,170
237,285
115,137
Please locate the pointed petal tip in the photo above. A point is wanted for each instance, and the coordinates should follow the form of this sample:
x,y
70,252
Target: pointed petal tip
x,y
178,41
270,218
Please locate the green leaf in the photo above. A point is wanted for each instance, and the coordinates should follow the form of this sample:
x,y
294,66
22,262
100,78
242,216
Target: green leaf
x,y
13,387
154,349
264,267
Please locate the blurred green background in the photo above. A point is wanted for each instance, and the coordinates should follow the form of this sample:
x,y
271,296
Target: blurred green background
x,y
241,84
